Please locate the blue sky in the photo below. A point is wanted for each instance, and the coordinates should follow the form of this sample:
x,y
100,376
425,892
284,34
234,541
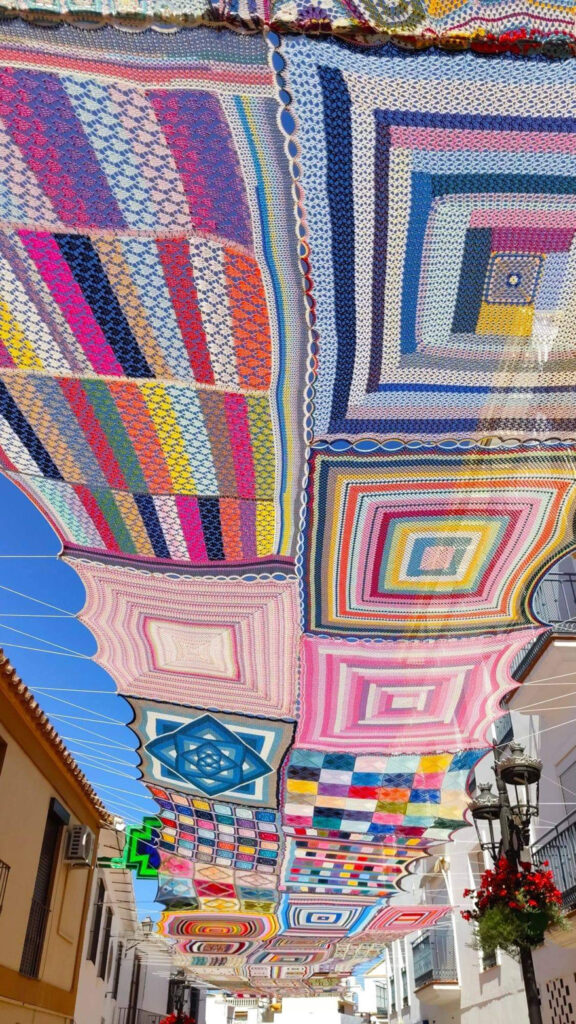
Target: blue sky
x,y
78,696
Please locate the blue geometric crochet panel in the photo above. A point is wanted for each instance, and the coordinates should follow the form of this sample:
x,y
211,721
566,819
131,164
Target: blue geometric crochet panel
x,y
441,221
194,752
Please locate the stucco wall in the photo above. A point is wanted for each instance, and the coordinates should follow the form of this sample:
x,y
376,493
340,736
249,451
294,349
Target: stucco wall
x,y
25,795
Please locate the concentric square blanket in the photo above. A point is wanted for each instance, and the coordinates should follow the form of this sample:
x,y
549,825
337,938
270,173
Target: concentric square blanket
x,y
439,202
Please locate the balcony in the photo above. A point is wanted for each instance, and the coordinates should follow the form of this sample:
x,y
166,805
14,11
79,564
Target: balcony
x,y
558,847
130,1015
435,972
554,601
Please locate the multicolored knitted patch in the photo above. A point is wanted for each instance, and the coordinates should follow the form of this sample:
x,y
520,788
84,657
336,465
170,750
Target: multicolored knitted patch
x,y
193,885
145,338
403,919
396,799
430,543
323,865
309,915
405,696
490,29
222,644
212,755
442,224
145,468
210,832
216,934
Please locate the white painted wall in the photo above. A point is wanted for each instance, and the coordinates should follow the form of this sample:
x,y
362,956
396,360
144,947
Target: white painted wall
x,y
316,1010
96,1003
542,719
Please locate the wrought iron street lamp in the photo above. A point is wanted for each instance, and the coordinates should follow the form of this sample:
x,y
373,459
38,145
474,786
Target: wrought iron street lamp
x,y
513,806
521,776
179,992
485,809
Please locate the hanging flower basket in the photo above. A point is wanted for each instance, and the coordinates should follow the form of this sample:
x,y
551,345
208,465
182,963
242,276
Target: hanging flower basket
x,y
514,907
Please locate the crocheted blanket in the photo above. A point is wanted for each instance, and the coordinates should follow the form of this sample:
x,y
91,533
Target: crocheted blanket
x,y
287,361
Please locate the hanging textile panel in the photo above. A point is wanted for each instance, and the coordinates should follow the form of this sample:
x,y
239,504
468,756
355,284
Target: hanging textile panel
x,y
432,542
330,918
213,888
214,832
438,197
222,755
257,971
176,883
400,799
405,696
213,643
491,28
235,930
404,919
322,865
287,954
148,338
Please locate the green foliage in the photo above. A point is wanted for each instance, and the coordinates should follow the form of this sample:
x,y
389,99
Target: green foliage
x,y
514,907
501,927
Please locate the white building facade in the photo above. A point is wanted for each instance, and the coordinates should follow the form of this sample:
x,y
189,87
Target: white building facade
x,y
439,977
127,973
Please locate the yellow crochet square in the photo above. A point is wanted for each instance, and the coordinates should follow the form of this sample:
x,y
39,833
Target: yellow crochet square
x,y
512,321
302,786
434,762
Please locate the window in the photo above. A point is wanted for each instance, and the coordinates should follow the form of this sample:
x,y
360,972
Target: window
x,y
404,978
40,907
96,922
392,994
382,999
477,866
488,960
568,783
117,967
132,1014
105,943
171,989
503,729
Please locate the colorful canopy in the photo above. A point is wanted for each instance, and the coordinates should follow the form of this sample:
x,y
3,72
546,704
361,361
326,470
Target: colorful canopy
x,y
287,360
488,26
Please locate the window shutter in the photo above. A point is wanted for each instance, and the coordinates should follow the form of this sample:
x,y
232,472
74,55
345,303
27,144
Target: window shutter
x,y
40,907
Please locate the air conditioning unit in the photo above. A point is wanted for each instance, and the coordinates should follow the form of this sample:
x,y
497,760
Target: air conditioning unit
x,y
79,845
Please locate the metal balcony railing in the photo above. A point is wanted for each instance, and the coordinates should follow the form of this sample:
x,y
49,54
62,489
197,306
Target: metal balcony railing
x,y
434,957
503,729
4,872
558,847
129,1015
554,600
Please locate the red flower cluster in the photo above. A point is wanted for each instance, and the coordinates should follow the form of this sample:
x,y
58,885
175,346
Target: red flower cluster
x,y
527,889
173,1018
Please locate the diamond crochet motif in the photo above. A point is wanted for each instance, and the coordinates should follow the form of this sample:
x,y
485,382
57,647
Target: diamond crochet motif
x,y
209,756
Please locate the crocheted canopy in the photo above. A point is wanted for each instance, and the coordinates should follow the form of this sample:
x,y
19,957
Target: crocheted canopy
x,y
486,26
287,360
